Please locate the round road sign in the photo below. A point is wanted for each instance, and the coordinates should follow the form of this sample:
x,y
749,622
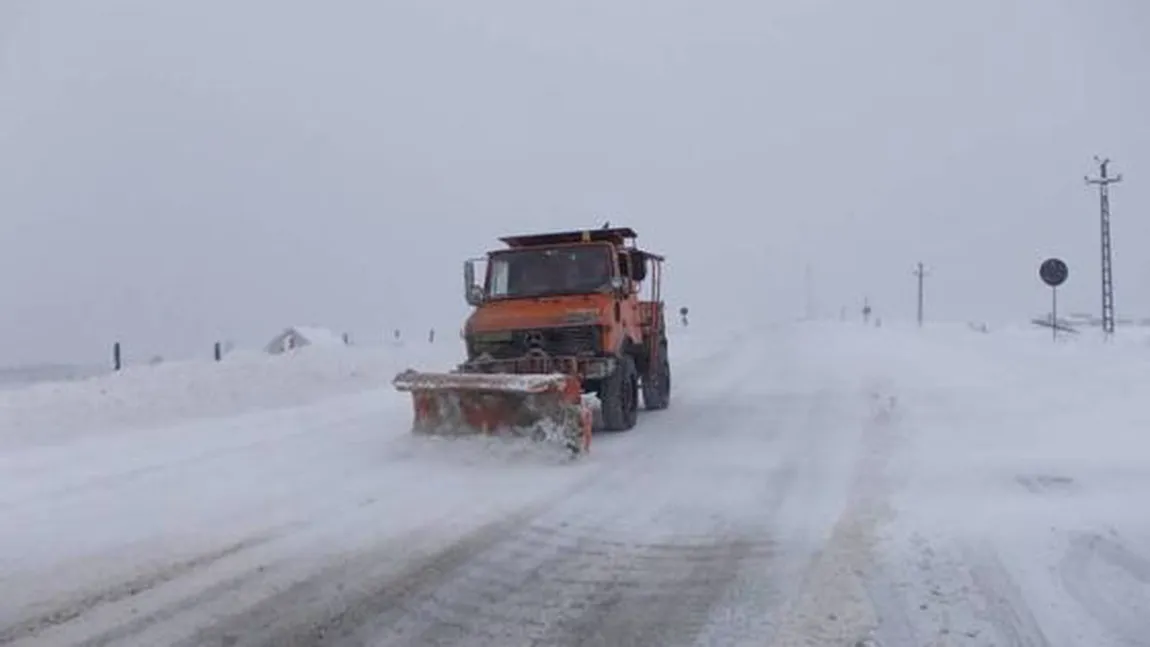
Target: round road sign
x,y
1053,272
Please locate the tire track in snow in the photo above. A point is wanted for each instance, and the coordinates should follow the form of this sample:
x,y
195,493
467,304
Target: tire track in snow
x,y
1005,606
957,593
83,603
307,572
353,608
330,606
833,605
124,632
594,571
1111,582
935,588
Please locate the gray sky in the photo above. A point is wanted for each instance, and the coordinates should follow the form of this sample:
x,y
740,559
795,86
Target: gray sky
x,y
173,173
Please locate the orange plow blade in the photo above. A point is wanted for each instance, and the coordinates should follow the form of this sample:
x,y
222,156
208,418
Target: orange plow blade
x,y
546,408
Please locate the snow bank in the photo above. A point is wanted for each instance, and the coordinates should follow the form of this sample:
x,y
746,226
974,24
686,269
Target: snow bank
x,y
1077,405
15,377
142,396
1001,411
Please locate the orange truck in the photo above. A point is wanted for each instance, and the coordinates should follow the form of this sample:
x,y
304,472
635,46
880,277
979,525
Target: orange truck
x,y
555,316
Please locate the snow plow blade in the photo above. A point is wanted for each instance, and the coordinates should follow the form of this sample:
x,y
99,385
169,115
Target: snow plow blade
x,y
545,408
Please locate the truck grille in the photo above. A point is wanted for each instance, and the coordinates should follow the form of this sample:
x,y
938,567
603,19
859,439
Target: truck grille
x,y
571,340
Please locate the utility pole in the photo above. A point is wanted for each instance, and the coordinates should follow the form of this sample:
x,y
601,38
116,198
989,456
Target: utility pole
x,y
1104,181
810,292
921,273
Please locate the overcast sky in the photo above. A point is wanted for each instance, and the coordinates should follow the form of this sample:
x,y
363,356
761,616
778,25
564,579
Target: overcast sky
x,y
172,173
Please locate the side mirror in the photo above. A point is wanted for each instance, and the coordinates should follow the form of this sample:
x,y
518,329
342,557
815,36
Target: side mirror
x,y
475,296
638,265
471,292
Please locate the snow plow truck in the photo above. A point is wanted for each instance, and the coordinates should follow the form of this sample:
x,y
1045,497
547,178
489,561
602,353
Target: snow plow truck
x,y
556,316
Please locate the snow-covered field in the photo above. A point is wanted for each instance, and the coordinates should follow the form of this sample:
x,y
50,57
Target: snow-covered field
x,y
811,484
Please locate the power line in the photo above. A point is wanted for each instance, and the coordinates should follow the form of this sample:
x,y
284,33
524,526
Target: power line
x,y
1104,181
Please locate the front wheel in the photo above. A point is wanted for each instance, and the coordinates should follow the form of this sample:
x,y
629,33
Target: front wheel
x,y
619,396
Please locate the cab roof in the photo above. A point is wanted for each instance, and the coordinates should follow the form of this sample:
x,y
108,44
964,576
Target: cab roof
x,y
614,235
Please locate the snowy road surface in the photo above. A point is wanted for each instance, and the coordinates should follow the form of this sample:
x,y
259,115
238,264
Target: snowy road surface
x,y
813,484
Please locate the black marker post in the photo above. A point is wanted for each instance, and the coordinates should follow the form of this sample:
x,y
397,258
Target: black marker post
x,y
1053,272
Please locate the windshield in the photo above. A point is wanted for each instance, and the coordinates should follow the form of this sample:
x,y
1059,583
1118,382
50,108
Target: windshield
x,y
559,270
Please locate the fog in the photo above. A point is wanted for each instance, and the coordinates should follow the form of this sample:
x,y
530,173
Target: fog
x,y
176,173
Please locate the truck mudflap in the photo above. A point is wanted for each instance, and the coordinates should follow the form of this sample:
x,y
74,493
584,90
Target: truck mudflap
x,y
544,408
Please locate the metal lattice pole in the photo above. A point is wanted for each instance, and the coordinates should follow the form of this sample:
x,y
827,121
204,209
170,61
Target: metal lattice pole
x,y
1104,181
809,281
921,273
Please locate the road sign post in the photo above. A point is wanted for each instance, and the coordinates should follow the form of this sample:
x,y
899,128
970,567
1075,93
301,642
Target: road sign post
x,y
1053,273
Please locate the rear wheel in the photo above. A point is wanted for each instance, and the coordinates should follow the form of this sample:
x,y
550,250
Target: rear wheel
x,y
619,396
657,382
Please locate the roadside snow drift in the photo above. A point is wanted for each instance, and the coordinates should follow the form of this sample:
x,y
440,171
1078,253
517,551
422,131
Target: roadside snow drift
x,y
148,396
811,484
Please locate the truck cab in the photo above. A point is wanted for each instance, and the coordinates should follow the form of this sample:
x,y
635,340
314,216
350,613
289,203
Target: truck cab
x,y
584,303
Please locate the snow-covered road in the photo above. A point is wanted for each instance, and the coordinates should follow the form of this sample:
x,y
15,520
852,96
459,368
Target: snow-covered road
x,y
813,484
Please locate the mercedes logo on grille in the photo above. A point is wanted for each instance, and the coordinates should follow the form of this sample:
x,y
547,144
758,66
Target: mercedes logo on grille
x,y
534,339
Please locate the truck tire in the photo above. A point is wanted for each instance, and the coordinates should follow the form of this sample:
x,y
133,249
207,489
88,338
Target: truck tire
x,y
657,382
619,396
